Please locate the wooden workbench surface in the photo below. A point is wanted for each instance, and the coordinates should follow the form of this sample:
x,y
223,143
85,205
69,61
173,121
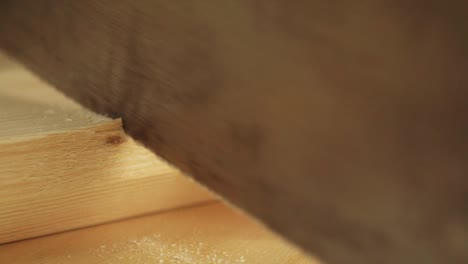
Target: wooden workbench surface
x,y
205,234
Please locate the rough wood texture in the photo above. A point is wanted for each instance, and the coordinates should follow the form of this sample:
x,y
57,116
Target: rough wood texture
x,y
209,234
63,167
340,124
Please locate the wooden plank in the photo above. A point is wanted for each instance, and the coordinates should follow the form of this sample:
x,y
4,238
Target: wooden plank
x,y
210,234
63,167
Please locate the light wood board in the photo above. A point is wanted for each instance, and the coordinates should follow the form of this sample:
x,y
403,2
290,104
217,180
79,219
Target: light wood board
x,y
63,167
209,234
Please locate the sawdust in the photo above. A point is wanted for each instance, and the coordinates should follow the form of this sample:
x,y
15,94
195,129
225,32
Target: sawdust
x,y
154,249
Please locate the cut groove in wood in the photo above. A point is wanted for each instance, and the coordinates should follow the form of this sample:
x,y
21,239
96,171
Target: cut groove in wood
x,y
63,167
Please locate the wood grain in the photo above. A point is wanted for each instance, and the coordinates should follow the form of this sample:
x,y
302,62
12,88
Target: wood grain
x,y
209,234
63,167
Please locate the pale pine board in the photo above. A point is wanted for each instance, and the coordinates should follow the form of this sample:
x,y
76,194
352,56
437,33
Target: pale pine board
x,y
63,167
208,234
